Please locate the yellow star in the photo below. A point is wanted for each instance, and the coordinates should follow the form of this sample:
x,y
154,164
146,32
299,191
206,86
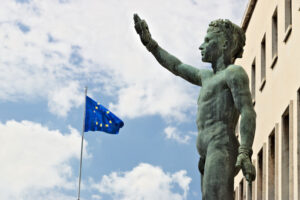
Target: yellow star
x,y
100,125
110,122
106,125
107,112
96,107
96,123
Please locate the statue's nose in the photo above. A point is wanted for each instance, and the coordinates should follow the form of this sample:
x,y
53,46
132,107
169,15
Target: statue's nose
x,y
201,47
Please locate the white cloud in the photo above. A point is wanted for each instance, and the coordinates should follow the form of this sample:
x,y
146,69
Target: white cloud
x,y
93,42
173,134
36,160
95,196
151,98
144,182
63,99
46,195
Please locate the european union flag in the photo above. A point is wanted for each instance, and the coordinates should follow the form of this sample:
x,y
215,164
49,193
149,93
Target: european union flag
x,y
98,118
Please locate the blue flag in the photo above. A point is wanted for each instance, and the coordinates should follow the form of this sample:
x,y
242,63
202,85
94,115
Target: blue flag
x,y
98,118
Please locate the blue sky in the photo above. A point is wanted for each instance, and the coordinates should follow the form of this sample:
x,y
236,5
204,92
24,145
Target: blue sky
x,y
51,49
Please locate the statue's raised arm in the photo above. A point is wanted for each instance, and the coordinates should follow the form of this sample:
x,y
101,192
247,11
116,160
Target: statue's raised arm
x,y
170,62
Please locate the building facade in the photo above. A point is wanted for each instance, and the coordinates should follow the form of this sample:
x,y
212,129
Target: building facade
x,y
272,60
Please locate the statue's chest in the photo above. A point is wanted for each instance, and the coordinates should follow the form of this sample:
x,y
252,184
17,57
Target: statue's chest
x,y
213,87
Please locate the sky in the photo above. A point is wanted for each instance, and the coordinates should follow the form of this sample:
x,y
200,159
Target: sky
x,y
51,49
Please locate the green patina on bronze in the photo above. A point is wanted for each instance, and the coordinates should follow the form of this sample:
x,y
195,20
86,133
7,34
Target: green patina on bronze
x,y
224,96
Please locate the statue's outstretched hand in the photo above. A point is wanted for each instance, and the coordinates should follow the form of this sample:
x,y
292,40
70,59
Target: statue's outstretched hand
x,y
142,29
244,162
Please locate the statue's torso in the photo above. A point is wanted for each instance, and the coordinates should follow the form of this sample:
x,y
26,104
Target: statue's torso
x,y
216,115
215,103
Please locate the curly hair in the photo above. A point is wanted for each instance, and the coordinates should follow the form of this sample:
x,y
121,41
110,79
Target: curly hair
x,y
233,33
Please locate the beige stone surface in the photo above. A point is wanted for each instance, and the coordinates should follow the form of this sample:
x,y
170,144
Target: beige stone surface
x,y
279,93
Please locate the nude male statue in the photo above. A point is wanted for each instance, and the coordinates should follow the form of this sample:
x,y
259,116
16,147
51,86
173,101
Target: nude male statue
x,y
223,97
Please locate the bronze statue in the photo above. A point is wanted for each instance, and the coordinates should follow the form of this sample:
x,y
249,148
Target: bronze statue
x,y
223,97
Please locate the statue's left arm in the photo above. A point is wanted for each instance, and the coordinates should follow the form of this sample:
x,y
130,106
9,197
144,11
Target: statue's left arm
x,y
238,83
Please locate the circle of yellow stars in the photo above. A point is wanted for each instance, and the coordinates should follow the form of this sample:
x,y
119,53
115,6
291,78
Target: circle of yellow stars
x,y
107,112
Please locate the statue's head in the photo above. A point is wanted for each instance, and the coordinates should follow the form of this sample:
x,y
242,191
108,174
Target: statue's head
x,y
223,38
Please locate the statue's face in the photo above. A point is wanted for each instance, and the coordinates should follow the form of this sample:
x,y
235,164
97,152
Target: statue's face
x,y
212,47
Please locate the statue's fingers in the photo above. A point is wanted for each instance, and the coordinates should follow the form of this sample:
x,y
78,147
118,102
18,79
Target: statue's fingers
x,y
250,174
251,178
138,28
144,25
238,166
137,23
248,178
238,163
136,18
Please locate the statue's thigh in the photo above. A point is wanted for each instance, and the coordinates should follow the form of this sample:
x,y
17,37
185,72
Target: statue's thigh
x,y
218,174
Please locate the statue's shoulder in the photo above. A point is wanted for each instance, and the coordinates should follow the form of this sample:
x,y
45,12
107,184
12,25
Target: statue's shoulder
x,y
235,69
205,74
236,72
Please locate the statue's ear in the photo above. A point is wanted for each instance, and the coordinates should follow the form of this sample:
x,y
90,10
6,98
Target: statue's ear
x,y
225,45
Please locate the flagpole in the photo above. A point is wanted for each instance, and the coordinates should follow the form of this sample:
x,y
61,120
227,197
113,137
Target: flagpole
x,y
82,137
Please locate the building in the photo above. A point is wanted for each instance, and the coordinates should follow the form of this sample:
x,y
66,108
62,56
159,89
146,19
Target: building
x,y
272,61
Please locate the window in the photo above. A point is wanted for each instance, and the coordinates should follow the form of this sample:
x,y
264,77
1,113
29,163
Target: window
x,y
250,193
241,190
260,175
288,14
271,166
263,62
285,156
237,129
288,18
274,38
253,80
298,134
254,183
